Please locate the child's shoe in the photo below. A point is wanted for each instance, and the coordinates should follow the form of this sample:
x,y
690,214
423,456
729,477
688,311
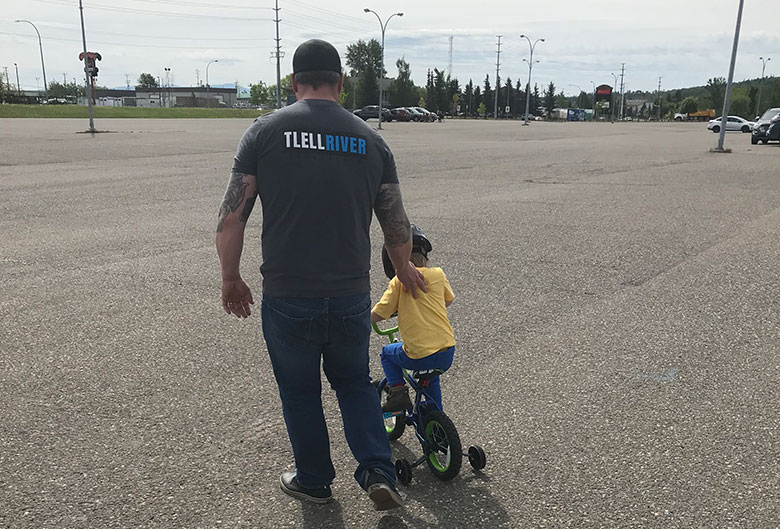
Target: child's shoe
x,y
398,399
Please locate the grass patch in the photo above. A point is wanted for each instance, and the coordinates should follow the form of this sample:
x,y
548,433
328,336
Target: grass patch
x,y
75,111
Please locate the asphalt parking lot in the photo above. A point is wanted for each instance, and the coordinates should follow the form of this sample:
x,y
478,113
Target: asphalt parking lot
x,y
617,318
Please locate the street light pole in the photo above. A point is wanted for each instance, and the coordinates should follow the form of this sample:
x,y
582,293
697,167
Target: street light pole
x,y
761,82
724,117
168,87
382,66
530,62
18,86
87,76
208,102
593,102
43,66
528,90
612,98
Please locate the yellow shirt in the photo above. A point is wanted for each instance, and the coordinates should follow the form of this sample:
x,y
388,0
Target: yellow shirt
x,y
422,322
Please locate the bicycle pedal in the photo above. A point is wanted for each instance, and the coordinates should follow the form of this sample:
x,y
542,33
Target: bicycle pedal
x,y
391,414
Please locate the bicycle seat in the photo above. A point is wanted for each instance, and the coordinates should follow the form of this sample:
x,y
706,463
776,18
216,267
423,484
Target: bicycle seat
x,y
426,374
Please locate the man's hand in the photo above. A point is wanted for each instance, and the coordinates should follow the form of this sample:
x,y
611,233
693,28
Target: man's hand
x,y
236,297
412,279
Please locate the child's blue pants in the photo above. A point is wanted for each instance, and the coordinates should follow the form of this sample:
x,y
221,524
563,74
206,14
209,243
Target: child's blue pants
x,y
394,359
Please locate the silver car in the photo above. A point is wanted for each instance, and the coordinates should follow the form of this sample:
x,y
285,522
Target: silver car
x,y
734,123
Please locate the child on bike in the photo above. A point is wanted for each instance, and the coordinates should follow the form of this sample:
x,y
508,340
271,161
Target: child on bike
x,y
428,341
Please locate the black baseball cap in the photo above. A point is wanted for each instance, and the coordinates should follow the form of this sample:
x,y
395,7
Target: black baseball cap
x,y
316,55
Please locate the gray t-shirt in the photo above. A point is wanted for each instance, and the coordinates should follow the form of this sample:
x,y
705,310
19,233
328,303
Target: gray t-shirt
x,y
318,169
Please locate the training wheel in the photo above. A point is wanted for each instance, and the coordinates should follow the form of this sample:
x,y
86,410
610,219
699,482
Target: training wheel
x,y
477,458
403,471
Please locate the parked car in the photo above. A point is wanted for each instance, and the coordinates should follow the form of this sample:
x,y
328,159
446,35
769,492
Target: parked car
x,y
414,114
372,111
401,114
761,130
426,114
732,123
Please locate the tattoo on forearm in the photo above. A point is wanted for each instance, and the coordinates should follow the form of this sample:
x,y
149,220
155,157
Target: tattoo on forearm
x,y
234,197
248,205
392,217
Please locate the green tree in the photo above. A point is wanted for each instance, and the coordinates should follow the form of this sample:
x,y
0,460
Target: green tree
x,y
740,105
482,111
440,91
71,90
508,100
147,80
468,98
536,100
286,83
689,105
487,94
259,94
402,91
549,98
477,100
716,88
367,87
364,55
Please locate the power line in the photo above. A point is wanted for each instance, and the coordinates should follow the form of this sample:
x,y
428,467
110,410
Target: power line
x,y
115,43
152,12
161,37
325,11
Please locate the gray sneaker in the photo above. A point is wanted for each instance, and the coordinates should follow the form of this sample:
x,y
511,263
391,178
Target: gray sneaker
x,y
289,484
382,493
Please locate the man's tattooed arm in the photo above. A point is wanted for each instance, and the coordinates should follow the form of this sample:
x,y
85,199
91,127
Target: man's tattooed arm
x,y
389,209
241,189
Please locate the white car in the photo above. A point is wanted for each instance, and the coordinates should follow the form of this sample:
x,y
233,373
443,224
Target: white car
x,y
732,123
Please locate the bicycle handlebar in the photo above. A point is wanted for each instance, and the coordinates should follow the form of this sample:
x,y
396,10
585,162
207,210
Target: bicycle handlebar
x,y
390,333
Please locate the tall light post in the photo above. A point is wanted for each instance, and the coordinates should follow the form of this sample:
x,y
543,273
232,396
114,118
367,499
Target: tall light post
x,y
727,98
382,25
761,82
43,66
612,100
87,76
18,86
528,90
530,62
593,102
208,101
168,87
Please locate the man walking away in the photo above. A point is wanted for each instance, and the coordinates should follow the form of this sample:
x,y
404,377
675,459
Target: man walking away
x,y
319,172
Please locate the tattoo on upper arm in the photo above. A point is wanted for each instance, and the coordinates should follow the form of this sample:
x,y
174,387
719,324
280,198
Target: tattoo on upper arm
x,y
389,209
234,197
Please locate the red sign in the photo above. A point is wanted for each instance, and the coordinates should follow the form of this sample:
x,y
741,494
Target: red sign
x,y
604,90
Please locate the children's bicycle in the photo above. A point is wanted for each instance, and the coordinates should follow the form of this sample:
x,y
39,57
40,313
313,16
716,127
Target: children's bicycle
x,y
442,449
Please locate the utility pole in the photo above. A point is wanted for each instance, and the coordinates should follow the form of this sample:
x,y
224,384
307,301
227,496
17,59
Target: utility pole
x,y
64,80
622,93
18,86
87,76
659,99
449,65
761,82
278,60
197,77
127,80
498,87
727,99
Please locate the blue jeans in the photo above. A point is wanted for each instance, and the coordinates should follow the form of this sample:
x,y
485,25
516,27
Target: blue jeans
x,y
394,359
302,332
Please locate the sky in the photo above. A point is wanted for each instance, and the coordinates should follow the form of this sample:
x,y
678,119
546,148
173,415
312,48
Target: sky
x,y
685,42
